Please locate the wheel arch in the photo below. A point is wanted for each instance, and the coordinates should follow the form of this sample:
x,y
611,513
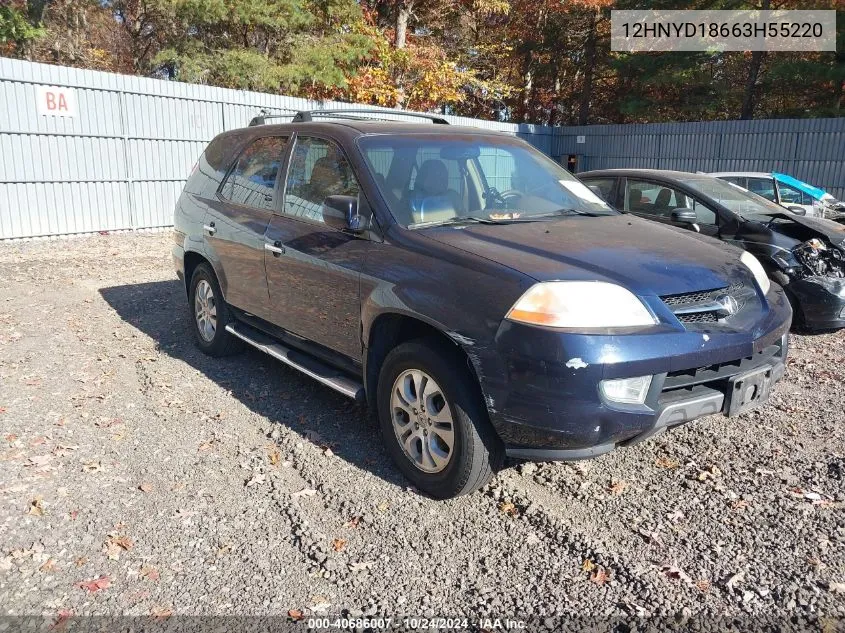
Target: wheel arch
x,y
194,259
390,329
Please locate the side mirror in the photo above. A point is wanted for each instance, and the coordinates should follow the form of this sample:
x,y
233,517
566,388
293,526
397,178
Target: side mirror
x,y
684,216
341,212
797,210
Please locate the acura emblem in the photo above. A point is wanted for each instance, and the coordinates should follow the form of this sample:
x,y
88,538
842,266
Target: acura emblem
x,y
727,305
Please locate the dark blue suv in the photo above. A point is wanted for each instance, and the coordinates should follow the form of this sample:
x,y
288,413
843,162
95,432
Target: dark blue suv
x,y
482,300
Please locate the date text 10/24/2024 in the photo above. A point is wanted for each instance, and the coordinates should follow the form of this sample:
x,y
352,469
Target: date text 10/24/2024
x,y
417,623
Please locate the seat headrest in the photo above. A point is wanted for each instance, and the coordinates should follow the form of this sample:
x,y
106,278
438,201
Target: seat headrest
x,y
432,178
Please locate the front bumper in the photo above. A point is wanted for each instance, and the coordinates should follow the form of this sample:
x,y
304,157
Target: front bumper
x,y
542,386
820,302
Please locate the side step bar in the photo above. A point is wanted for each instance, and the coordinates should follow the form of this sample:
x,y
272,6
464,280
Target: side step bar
x,y
300,361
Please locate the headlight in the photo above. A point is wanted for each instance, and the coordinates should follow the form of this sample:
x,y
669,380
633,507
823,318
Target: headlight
x,y
584,305
756,268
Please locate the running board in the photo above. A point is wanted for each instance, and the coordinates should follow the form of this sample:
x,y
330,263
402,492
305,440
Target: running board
x,y
300,361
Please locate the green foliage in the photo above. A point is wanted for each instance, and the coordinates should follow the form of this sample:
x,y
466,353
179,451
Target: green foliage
x,y
16,29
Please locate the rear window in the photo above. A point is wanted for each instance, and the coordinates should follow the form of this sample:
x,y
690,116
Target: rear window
x,y
252,181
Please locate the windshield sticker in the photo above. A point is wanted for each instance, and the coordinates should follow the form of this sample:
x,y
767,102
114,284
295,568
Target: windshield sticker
x,y
582,191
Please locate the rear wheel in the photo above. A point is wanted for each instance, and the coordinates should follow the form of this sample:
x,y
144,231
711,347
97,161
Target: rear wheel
x,y
211,315
433,421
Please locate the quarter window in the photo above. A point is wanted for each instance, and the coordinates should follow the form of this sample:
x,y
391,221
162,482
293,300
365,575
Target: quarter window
x,y
252,182
791,195
602,187
318,169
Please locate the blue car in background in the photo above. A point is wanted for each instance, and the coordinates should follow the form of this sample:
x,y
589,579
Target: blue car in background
x,y
789,192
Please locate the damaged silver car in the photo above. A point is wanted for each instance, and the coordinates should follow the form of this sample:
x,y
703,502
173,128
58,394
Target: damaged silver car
x,y
805,255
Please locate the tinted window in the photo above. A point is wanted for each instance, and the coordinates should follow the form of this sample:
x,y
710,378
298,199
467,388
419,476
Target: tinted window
x,y
252,181
318,169
660,200
762,187
602,187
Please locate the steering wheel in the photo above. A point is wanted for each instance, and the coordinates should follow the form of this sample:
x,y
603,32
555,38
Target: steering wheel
x,y
502,197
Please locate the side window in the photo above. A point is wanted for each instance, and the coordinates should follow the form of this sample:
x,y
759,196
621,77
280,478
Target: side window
x,y
762,187
791,195
252,182
318,169
603,187
705,214
651,198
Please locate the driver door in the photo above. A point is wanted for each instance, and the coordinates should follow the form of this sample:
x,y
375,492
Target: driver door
x,y
656,201
313,270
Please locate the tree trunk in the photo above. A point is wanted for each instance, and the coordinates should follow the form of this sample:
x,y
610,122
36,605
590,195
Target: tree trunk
x,y
749,98
403,14
589,71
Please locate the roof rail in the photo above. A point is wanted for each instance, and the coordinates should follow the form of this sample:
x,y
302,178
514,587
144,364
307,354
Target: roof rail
x,y
308,115
261,119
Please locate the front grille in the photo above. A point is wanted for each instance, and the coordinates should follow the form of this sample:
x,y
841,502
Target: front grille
x,y
699,317
701,296
685,306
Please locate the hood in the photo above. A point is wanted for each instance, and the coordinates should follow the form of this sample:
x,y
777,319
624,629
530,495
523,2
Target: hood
x,y
810,190
833,231
646,257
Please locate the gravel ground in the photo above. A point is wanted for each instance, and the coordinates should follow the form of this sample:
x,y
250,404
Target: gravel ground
x,y
139,477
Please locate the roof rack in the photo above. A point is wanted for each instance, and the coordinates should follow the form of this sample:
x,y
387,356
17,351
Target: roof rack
x,y
304,116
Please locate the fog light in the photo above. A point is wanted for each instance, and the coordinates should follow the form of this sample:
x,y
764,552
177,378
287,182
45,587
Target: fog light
x,y
627,390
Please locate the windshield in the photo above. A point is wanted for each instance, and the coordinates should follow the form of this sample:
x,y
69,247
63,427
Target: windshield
x,y
431,179
740,201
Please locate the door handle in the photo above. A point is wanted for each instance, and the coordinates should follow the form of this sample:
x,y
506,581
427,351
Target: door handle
x,y
276,248
210,228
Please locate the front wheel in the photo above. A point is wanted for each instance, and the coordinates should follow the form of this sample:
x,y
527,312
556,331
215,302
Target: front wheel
x,y
433,421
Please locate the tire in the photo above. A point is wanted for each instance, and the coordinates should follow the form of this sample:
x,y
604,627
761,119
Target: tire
x,y
476,452
214,341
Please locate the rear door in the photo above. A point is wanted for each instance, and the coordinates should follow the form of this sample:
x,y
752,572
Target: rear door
x,y
313,270
237,220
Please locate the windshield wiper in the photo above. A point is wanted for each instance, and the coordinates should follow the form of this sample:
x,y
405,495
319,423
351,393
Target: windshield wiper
x,y
469,219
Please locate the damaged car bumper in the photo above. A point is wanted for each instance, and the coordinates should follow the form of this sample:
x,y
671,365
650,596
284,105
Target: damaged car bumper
x,y
544,389
819,301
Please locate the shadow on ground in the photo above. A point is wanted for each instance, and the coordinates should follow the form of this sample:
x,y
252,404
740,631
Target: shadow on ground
x,y
265,386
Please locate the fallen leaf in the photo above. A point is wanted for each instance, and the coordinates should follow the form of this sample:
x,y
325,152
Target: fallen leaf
x,y
79,562
92,586
61,621
73,514
146,487
338,544
295,614
383,506
676,573
48,566
599,576
10,437
618,487
651,537
35,507
588,565
161,613
273,455
702,585
352,523
506,507
734,580
666,462
92,467
150,573
305,492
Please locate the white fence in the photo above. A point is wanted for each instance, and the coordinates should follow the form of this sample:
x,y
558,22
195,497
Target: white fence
x,y
84,151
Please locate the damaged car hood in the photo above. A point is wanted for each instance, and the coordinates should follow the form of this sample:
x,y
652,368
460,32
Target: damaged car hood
x,y
834,232
645,257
